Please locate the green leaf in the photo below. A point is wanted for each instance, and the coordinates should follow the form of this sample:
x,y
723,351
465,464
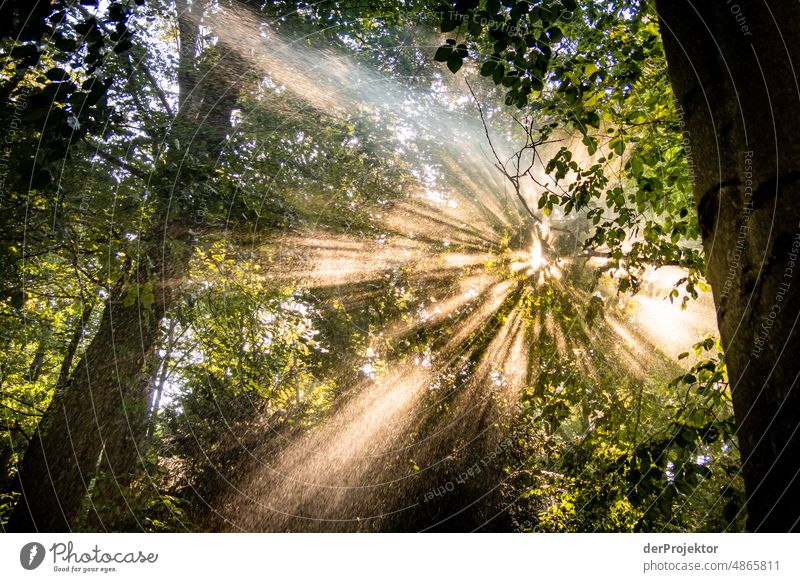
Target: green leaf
x,y
26,50
443,53
590,143
455,62
448,25
637,167
501,44
498,74
592,119
56,74
123,46
555,34
488,68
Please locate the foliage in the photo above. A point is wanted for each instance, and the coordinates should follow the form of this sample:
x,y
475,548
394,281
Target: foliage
x,y
595,70
638,467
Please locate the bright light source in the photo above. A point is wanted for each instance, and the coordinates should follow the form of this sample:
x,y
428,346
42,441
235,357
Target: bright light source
x,y
537,261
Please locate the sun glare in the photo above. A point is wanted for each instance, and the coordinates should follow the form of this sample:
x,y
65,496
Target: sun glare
x,y
537,260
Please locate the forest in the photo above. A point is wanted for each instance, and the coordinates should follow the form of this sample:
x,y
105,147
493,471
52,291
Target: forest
x,y
399,266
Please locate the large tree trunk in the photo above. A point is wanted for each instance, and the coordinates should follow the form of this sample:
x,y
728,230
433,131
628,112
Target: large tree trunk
x,y
733,67
103,409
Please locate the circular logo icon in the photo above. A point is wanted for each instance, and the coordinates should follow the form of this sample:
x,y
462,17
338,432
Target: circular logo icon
x,y
31,555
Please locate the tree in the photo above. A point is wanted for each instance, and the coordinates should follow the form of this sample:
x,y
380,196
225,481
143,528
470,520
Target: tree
x,y
241,252
173,155
74,440
729,69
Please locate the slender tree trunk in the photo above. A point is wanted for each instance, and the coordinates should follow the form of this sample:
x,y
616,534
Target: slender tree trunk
x,y
734,67
72,348
35,369
162,371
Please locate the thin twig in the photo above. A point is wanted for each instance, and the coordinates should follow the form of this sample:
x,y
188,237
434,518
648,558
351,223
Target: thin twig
x,y
112,159
15,411
500,166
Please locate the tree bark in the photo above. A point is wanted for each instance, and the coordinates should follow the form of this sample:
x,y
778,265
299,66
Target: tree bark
x,y
104,407
100,407
733,68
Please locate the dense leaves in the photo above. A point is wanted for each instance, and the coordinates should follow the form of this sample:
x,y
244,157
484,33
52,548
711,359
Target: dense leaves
x,y
596,69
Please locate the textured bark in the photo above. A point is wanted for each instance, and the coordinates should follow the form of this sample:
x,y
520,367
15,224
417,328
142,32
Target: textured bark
x,y
733,69
100,407
103,408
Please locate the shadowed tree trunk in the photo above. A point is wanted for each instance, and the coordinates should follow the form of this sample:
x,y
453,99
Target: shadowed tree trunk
x,y
72,348
733,68
104,406
99,407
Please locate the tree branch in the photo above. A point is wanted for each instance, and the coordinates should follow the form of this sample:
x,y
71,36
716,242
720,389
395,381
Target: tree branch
x,y
15,411
112,159
159,92
24,402
500,166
